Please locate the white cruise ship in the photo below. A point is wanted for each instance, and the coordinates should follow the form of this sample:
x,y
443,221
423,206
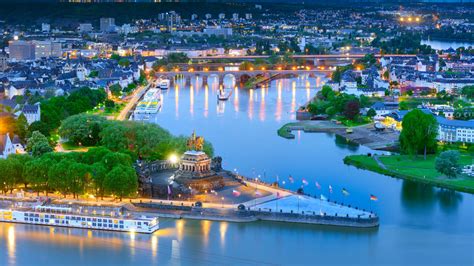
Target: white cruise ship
x,y
67,217
151,102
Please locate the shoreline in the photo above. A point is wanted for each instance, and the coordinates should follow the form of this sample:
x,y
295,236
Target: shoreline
x,y
375,167
362,135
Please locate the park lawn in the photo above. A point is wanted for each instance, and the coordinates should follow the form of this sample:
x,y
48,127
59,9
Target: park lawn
x,y
69,146
415,169
362,120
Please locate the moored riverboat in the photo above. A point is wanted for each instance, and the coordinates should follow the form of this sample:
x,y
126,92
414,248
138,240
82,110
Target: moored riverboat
x,y
80,218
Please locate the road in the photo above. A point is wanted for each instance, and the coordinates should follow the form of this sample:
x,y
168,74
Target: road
x,y
135,98
324,56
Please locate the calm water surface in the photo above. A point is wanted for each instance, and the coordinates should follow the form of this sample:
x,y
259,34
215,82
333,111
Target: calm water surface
x,y
420,225
444,45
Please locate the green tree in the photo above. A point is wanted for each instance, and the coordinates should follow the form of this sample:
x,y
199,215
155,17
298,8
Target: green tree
x,y
38,126
468,91
21,127
124,62
121,181
371,113
82,129
327,92
36,173
447,163
38,144
116,90
78,177
59,175
17,163
98,173
419,131
403,106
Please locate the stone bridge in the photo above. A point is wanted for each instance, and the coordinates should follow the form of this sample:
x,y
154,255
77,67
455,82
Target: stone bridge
x,y
240,76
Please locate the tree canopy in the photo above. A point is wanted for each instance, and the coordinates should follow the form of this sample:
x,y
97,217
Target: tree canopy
x,y
38,144
419,131
82,129
447,163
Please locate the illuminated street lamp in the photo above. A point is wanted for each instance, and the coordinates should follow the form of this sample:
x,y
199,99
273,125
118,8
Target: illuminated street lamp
x,y
173,158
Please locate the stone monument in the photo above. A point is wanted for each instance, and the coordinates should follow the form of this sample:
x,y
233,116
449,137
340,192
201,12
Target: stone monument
x,y
195,168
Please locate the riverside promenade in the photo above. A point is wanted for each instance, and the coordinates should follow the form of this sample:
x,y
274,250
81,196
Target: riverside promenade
x,y
276,205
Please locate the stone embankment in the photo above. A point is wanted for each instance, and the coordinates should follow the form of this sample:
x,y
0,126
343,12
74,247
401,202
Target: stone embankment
x,y
246,215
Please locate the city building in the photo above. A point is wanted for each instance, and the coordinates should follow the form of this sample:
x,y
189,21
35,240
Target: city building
x,y
221,16
248,16
218,31
107,24
21,50
32,112
3,61
235,16
450,130
46,49
85,27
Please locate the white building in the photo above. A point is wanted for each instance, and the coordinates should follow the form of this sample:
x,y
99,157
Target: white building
x,y
46,49
455,130
32,112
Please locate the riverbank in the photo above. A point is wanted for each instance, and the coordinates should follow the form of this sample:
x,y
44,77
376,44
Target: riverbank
x,y
364,135
417,170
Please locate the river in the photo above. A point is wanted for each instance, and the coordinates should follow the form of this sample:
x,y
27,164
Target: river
x,y
418,224
444,45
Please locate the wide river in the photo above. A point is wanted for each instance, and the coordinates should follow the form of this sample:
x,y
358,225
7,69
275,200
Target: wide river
x,y
419,225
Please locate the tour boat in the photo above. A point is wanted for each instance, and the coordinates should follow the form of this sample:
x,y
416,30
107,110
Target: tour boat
x,y
165,84
223,96
67,217
151,102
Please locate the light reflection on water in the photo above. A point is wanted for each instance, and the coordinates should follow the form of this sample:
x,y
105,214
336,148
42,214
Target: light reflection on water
x,y
414,218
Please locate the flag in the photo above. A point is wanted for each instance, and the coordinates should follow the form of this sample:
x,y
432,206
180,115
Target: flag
x,y
330,189
374,198
304,182
169,190
318,186
323,197
235,193
345,192
291,179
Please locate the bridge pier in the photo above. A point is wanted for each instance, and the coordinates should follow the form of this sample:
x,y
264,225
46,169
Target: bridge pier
x,y
221,79
187,80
